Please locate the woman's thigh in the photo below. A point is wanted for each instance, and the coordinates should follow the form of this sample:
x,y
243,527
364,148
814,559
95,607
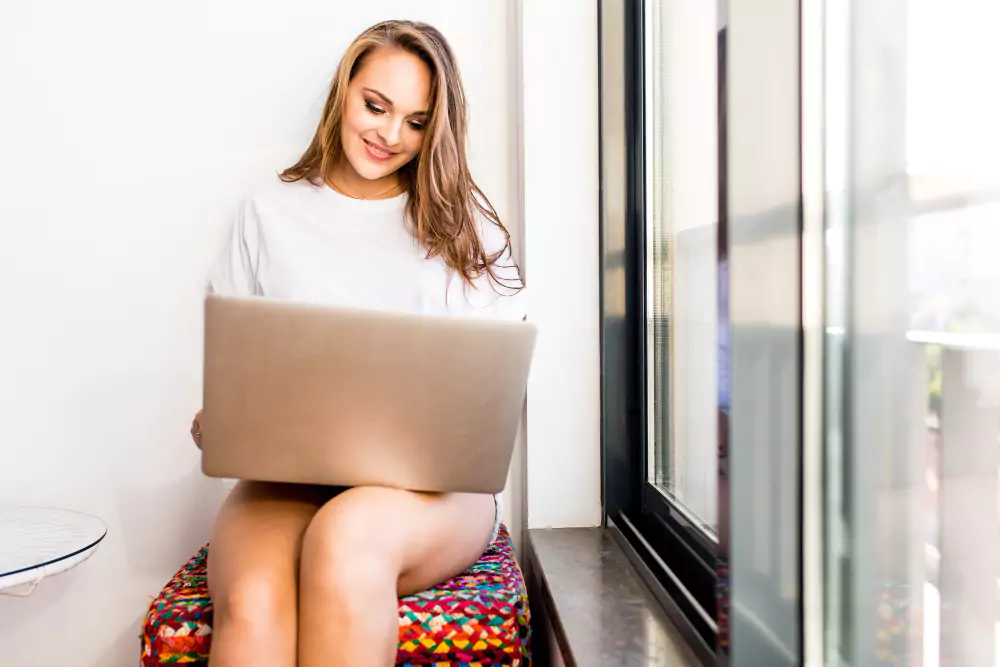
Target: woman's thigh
x,y
257,540
426,538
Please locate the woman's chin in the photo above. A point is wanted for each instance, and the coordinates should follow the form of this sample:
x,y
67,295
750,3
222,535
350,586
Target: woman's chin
x,y
369,170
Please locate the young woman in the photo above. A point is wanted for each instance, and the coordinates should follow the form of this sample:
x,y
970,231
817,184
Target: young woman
x,y
379,212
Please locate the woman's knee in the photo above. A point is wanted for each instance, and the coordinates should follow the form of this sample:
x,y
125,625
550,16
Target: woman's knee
x,y
350,542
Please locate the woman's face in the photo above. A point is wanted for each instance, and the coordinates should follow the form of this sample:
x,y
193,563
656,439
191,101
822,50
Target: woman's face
x,y
386,110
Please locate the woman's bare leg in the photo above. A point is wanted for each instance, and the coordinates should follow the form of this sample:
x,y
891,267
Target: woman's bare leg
x,y
253,572
365,548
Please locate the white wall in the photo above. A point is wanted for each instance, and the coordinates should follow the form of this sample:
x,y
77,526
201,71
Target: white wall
x,y
127,133
559,160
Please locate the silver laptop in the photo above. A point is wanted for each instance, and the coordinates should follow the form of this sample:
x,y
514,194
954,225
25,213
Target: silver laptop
x,y
326,395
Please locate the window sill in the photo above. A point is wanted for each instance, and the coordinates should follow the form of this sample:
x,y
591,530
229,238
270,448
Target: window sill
x,y
590,606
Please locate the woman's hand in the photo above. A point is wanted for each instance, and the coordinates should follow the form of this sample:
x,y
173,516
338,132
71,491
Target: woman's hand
x,y
196,429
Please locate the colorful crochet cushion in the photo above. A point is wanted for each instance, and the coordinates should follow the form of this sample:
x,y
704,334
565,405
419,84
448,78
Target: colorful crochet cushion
x,y
478,619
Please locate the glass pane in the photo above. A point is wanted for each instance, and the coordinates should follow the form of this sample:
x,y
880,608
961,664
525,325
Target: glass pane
x,y
763,229
682,256
913,387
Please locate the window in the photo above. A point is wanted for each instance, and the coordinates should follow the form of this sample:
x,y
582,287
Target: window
x,y
661,307
701,326
913,335
801,327
682,256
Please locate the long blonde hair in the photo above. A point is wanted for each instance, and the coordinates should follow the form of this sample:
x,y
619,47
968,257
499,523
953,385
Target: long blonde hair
x,y
444,201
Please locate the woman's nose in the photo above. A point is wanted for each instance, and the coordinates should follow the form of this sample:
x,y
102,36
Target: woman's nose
x,y
390,132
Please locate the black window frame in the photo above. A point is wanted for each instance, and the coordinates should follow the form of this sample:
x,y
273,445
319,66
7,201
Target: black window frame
x,y
718,596
678,555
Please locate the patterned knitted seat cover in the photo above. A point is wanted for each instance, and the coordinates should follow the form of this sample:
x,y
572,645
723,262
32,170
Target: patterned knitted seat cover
x,y
478,619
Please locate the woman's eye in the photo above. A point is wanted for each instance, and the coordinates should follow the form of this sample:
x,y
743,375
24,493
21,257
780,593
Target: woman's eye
x,y
416,125
371,106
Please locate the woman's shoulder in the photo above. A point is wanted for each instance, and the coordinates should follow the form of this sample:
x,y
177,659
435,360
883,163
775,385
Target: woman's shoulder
x,y
274,190
272,201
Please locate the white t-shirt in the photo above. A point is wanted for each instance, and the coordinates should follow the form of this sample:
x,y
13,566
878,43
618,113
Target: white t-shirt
x,y
302,242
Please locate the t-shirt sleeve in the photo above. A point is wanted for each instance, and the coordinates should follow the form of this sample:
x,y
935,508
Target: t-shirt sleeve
x,y
503,296
235,270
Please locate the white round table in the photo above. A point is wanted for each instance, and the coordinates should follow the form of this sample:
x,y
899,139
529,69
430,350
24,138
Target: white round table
x,y
38,542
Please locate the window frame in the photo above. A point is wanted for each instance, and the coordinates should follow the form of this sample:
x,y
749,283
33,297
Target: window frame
x,y
678,555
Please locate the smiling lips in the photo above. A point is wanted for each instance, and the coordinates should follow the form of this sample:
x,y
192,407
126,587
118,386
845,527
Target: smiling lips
x,y
377,153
